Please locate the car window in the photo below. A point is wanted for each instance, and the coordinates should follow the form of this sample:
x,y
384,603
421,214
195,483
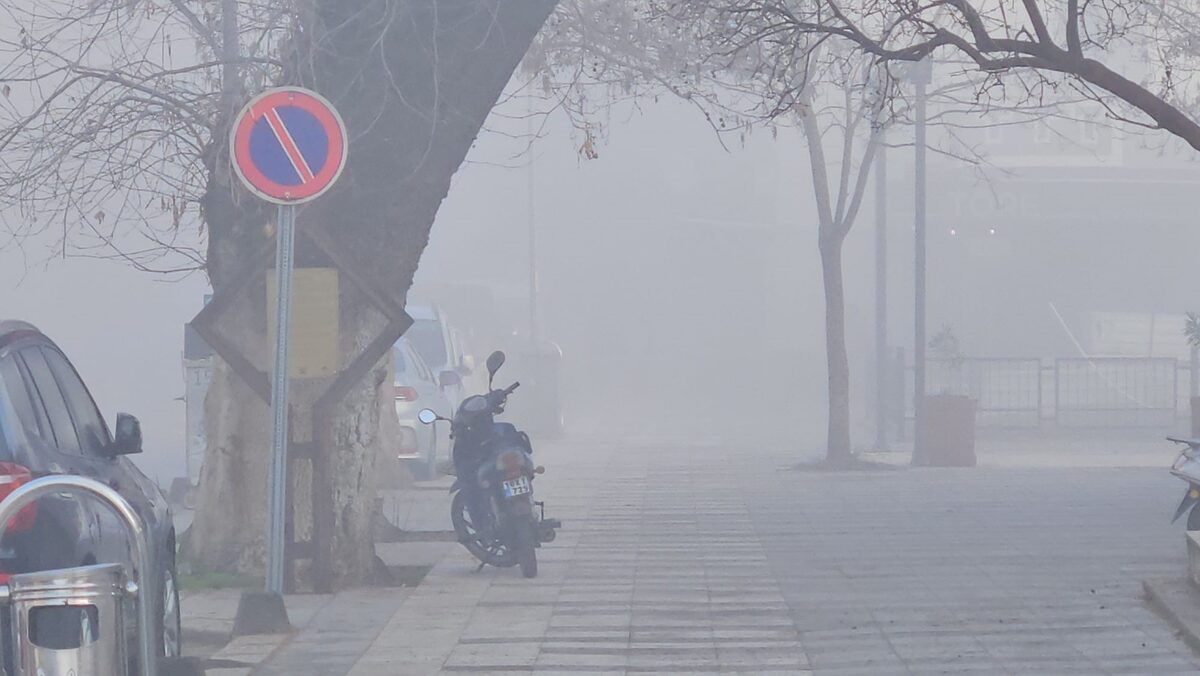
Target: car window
x,y
42,426
427,339
46,387
89,424
20,413
16,389
419,365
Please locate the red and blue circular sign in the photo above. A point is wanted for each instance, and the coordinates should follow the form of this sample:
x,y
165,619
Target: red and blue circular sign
x,y
288,145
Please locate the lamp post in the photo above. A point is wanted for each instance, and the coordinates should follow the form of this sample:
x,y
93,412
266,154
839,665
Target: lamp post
x,y
921,75
534,325
881,313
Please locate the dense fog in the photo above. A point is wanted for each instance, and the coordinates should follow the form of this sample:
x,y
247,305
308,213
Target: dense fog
x,y
680,277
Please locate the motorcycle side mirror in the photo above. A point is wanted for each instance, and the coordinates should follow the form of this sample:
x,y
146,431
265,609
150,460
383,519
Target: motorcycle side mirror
x,y
427,416
494,361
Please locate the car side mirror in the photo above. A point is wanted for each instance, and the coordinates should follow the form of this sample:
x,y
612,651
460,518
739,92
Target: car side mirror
x,y
128,436
467,366
449,379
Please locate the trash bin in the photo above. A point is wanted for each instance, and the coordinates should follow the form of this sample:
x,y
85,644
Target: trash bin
x,y
1195,417
948,433
538,408
69,622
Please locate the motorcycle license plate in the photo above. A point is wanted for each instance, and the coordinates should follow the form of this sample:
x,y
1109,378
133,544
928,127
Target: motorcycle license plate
x,y
518,486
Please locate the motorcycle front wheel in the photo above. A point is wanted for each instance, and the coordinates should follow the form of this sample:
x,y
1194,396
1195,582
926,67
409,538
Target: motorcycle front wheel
x,y
488,549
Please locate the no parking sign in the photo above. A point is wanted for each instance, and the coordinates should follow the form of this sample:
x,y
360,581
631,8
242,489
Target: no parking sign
x,y
288,145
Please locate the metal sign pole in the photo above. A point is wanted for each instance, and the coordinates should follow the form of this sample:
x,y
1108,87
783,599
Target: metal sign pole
x,y
277,478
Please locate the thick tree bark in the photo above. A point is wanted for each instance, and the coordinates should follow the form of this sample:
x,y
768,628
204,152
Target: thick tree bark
x,y
837,452
414,81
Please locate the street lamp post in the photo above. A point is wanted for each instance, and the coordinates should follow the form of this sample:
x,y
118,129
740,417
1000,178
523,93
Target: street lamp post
x,y
881,313
534,324
922,75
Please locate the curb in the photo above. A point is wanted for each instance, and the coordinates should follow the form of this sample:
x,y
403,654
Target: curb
x,y
1178,602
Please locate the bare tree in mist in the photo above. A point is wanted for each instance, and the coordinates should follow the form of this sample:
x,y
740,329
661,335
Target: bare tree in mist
x,y
107,113
114,137
1137,59
725,61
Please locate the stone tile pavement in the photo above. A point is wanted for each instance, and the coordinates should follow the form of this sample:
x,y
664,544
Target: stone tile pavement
x,y
710,560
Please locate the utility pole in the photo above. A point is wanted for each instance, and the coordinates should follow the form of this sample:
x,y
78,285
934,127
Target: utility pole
x,y
881,313
922,74
534,325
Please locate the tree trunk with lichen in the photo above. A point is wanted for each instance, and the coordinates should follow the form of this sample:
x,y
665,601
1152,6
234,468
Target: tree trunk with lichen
x,y
414,82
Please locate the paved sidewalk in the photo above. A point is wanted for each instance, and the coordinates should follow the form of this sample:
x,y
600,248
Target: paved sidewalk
x,y
707,560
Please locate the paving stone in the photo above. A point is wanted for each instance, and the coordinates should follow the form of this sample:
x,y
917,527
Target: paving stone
x,y
673,566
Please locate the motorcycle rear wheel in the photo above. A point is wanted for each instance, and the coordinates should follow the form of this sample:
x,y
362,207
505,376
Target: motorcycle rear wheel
x,y
491,552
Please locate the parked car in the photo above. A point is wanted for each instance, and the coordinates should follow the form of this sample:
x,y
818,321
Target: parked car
x,y
49,424
416,388
441,347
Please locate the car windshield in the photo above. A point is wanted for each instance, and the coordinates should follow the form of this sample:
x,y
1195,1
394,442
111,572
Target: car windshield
x,y
429,342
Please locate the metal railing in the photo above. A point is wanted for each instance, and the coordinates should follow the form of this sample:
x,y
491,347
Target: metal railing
x,y
1076,392
1116,392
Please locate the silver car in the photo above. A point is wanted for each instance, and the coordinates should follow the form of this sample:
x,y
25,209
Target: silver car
x,y
415,387
440,345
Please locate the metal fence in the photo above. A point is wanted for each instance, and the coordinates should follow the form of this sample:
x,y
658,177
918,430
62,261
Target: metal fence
x,y
1007,391
1116,392
1069,392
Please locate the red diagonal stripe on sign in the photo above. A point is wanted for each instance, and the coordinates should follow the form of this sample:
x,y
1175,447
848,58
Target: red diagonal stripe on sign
x,y
289,146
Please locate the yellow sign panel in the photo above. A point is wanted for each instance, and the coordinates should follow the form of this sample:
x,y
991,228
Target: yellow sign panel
x,y
313,341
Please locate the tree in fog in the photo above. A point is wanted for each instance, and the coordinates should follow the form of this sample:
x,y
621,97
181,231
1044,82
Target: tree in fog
x,y
114,137
1137,58
596,53
775,54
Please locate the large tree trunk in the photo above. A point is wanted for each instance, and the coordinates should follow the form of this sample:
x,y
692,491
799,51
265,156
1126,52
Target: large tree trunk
x,y
414,81
838,442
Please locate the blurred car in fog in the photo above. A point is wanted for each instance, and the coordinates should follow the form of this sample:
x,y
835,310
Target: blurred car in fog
x,y
415,387
441,347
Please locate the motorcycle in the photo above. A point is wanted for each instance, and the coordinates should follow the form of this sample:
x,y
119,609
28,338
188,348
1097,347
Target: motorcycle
x,y
496,519
1187,467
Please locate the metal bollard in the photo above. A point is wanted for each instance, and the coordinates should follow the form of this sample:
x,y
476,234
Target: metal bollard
x,y
80,595
69,622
